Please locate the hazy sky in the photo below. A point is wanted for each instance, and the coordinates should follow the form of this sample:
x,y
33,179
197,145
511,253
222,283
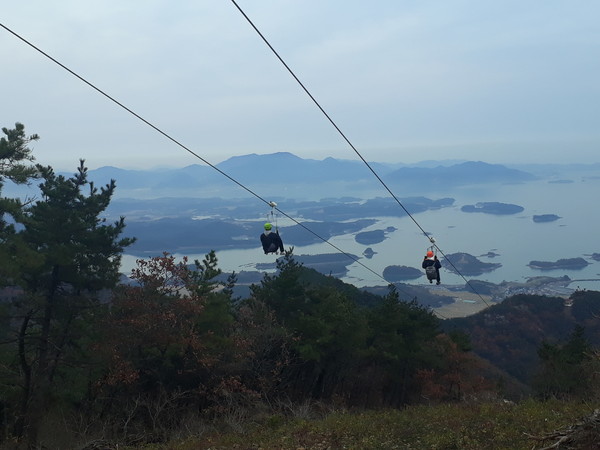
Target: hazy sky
x,y
406,80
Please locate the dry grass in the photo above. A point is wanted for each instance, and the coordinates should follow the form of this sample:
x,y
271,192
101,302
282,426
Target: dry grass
x,y
473,426
465,303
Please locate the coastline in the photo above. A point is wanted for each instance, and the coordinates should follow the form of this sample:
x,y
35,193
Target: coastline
x,y
468,302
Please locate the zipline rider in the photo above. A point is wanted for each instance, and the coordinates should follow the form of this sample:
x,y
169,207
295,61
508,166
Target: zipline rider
x,y
271,242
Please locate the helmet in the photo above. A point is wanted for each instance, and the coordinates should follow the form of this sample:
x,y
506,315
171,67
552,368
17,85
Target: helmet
x,y
429,254
268,226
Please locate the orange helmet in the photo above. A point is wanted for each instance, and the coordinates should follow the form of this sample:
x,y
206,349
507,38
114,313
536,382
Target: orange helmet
x,y
429,254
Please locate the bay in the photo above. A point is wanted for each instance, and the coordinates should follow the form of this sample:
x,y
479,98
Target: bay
x,y
516,238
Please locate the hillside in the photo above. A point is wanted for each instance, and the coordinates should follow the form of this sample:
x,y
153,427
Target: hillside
x,y
506,335
510,333
308,361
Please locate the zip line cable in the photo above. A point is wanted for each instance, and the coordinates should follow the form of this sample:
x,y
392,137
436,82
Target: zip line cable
x,y
351,145
178,143
326,115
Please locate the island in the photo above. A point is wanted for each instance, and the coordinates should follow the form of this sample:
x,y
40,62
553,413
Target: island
x,y
493,208
596,256
545,218
369,253
566,264
370,237
467,264
490,254
401,273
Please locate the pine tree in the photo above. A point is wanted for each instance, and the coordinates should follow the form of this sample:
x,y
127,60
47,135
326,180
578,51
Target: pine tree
x,y
565,370
14,155
398,342
328,329
15,166
77,256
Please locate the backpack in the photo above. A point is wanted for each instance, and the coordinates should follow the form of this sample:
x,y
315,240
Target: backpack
x,y
431,272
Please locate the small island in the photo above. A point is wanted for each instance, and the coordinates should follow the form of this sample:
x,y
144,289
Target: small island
x,y
369,253
370,237
401,273
566,264
545,218
467,264
490,254
493,208
596,256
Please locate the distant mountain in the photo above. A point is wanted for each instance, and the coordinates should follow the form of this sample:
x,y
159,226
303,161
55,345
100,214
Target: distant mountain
x,y
459,175
287,168
286,174
558,170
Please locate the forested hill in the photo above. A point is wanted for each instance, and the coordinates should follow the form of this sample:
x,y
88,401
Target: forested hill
x,y
507,335
365,297
510,334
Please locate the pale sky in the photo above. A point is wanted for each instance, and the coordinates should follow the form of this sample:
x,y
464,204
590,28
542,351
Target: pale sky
x,y
508,81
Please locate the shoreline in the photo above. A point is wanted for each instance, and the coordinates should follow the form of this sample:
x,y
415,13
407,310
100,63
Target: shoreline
x,y
470,302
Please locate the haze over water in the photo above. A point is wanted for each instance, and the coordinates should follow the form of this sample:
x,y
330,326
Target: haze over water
x,y
515,238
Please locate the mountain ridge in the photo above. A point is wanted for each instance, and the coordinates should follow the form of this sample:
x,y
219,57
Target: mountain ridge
x,y
284,171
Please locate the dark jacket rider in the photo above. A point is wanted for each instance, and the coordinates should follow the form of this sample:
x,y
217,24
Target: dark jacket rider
x,y
271,242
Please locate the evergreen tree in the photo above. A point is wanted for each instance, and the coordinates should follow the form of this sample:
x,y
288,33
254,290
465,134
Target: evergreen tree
x,y
399,336
565,369
328,330
77,256
267,342
15,166
15,153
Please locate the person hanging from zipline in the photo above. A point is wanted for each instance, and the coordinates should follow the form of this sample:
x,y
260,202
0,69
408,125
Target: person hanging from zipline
x,y
271,242
432,267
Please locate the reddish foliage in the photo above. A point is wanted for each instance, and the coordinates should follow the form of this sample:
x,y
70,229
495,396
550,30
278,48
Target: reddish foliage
x,y
457,375
155,319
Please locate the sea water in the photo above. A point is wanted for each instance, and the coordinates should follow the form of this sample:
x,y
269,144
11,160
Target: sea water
x,y
515,238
